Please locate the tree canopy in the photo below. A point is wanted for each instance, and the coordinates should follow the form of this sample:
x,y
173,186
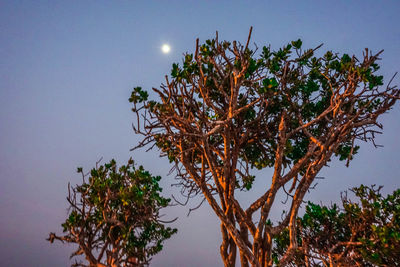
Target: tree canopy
x,y
114,216
229,109
365,232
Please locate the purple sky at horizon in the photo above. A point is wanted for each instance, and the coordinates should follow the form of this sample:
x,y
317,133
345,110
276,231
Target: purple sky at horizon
x,y
66,72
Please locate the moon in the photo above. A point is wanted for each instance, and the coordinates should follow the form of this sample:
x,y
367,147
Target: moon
x,y
165,48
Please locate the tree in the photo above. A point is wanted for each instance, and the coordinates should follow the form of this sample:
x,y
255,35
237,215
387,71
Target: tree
x,y
362,233
229,110
114,216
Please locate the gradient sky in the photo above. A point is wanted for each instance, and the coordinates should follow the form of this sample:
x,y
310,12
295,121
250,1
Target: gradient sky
x,y
67,69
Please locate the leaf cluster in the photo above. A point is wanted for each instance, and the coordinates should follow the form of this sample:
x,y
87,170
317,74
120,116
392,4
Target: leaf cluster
x,y
366,231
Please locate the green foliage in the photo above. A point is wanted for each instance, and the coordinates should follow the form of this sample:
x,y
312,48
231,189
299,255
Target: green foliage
x,y
288,80
365,232
138,95
297,44
248,182
118,203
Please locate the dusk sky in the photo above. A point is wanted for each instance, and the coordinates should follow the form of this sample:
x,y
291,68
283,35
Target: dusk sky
x,y
66,72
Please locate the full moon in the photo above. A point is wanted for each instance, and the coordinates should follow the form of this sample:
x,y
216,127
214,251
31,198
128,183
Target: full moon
x,y
165,48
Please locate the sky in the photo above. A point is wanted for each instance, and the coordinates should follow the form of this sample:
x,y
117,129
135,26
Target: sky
x,y
66,72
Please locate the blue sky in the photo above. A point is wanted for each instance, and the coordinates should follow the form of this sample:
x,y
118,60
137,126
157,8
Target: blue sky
x,y
66,72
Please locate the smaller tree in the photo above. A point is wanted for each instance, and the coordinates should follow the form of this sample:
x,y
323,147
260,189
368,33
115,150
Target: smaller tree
x,y
114,216
363,233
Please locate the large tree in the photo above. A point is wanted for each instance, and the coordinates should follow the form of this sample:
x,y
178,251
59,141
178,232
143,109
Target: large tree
x,y
114,217
229,109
